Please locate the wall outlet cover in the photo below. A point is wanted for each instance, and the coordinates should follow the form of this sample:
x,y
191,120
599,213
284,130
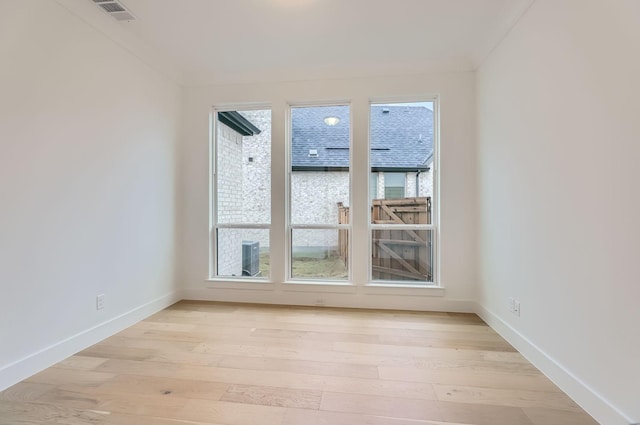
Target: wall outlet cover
x,y
100,302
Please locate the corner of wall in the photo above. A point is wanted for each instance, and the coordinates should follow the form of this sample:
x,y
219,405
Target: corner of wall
x,y
585,396
48,356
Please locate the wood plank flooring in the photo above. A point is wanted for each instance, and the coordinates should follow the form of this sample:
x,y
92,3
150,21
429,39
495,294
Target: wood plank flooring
x,y
200,363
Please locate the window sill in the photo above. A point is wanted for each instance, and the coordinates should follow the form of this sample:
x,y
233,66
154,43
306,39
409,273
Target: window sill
x,y
318,286
329,287
403,289
263,285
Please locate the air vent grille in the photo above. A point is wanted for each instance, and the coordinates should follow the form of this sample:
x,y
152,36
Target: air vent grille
x,y
116,9
112,7
123,16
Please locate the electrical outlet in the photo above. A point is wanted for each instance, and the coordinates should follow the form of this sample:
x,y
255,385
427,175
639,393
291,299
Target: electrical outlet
x,y
512,304
516,308
100,302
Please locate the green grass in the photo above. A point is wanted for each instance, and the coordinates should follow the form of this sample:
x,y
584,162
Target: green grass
x,y
264,264
331,267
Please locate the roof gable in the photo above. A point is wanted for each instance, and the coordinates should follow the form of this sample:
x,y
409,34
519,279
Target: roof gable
x,y
238,123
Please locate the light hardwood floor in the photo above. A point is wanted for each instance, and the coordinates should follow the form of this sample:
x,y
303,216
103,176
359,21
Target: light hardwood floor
x,y
203,363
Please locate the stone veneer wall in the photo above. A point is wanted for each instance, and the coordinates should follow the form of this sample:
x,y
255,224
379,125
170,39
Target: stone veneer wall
x,y
426,184
256,183
256,170
314,200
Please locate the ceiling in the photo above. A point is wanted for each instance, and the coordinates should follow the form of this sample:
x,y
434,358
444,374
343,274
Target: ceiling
x,y
228,41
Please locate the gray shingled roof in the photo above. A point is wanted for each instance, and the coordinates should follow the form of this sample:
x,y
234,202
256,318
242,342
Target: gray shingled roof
x,y
401,138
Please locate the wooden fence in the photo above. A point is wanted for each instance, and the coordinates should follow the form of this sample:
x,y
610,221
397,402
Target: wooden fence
x,y
396,254
343,235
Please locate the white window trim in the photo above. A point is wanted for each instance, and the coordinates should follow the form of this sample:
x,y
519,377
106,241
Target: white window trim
x,y
279,278
371,284
213,280
314,284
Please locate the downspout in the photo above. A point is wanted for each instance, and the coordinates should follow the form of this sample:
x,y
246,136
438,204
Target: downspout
x,y
418,183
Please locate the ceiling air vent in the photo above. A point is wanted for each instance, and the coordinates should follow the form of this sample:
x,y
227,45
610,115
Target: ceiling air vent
x,y
116,9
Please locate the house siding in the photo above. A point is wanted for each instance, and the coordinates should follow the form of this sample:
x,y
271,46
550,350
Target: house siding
x,y
425,186
256,183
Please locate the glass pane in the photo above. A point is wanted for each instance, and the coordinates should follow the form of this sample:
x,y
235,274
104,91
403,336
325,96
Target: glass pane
x,y
401,151
393,192
320,143
394,179
243,253
402,255
373,186
320,254
244,167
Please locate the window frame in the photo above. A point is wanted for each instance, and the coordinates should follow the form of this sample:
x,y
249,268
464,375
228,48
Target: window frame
x,y
403,186
434,227
290,227
360,280
214,225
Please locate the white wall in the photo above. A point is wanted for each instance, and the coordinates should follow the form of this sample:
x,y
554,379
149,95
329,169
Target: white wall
x,y
559,156
457,124
87,168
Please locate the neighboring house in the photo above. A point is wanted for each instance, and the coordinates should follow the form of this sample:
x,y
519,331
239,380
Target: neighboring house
x,y
401,158
233,206
401,166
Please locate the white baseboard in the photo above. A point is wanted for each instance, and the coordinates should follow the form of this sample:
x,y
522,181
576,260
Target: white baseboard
x,y
21,369
585,396
589,399
328,299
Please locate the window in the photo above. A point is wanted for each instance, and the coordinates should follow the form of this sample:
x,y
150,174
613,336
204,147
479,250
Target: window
x,y
394,185
310,240
402,224
241,205
373,186
319,188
